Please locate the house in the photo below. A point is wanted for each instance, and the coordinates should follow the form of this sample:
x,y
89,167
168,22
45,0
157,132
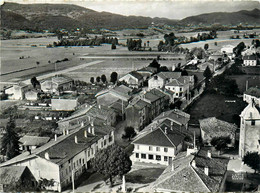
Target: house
x,y
181,86
88,114
32,142
109,96
159,146
249,140
57,84
31,95
147,72
201,172
250,60
175,116
159,80
212,66
17,92
134,79
252,93
228,49
64,104
66,155
16,178
212,127
137,114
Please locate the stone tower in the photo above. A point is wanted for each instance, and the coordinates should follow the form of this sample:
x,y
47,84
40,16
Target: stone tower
x,y
249,140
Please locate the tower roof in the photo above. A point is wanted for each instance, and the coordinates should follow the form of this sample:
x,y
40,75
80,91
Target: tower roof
x,y
250,112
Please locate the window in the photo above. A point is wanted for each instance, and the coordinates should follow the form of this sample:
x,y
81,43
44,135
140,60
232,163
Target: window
x,y
88,153
180,94
150,156
253,122
83,161
165,158
158,158
105,142
165,149
143,156
79,161
157,148
150,148
137,155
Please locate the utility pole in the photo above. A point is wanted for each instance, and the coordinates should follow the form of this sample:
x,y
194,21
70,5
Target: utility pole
x,y
246,85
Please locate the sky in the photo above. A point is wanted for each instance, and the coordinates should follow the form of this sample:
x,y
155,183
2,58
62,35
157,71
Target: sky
x,y
173,9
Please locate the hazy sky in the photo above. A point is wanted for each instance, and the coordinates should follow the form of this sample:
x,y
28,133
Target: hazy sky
x,y
174,9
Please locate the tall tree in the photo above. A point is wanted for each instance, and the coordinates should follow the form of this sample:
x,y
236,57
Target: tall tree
x,y
252,159
207,74
113,77
220,143
111,162
10,140
103,78
35,82
129,133
98,79
206,46
92,80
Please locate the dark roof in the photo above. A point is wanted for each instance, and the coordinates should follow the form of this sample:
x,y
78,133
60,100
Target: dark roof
x,y
11,174
150,97
171,139
140,104
175,115
253,91
136,75
250,57
148,69
33,140
169,75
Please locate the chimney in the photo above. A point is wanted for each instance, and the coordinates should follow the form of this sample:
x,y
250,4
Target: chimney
x,y
93,130
46,155
172,167
99,106
89,118
67,132
64,132
92,123
209,154
172,126
206,171
55,137
82,124
193,163
163,113
151,128
165,130
85,134
76,139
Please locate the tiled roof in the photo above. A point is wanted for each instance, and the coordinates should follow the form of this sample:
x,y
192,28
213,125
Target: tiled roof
x,y
174,83
33,140
169,75
182,178
150,97
65,147
11,174
158,92
136,75
212,125
250,57
140,104
123,89
175,115
148,69
61,79
253,91
171,139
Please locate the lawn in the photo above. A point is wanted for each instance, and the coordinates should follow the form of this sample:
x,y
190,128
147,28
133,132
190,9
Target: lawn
x,y
144,176
253,80
214,105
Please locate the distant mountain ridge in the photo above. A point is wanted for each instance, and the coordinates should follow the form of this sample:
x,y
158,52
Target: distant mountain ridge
x,y
68,16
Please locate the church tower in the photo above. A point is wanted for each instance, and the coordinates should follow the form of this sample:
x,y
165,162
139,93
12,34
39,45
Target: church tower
x,y
249,140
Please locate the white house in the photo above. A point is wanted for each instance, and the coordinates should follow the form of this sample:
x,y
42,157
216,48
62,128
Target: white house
x,y
250,60
133,79
17,92
31,95
159,146
159,80
56,84
66,155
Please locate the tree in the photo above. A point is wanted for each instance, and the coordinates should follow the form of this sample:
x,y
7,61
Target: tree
x,y
98,79
154,64
111,162
113,77
184,73
206,46
103,78
252,159
220,143
92,80
239,48
113,46
207,74
35,82
44,183
129,133
10,140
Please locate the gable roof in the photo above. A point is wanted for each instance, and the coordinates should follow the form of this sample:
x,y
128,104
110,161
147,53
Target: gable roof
x,y
33,140
169,75
136,75
171,139
150,97
250,57
11,174
253,91
174,115
250,112
213,125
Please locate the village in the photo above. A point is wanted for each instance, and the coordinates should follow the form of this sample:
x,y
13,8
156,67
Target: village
x,y
146,113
